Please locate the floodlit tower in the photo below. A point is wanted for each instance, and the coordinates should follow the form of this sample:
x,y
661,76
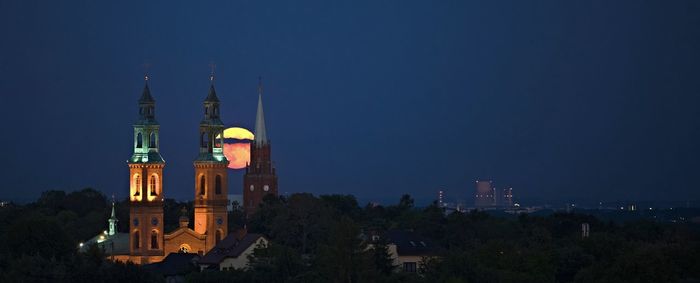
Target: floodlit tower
x,y
211,181
146,184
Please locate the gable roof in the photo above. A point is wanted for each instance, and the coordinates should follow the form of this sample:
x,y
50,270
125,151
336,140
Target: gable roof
x,y
174,264
410,243
231,246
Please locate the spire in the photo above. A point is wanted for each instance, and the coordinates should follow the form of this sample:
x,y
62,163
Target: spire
x,y
212,93
146,95
112,221
260,134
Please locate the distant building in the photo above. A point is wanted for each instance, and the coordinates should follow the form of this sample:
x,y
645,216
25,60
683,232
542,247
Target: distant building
x,y
507,197
484,196
260,178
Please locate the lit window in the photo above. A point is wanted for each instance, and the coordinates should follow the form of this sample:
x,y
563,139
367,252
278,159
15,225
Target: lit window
x,y
409,266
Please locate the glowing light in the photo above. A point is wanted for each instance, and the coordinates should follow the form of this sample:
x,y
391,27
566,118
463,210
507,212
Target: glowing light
x,y
80,245
237,133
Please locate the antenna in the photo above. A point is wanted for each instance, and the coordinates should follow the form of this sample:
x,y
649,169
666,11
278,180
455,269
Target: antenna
x,y
145,67
213,67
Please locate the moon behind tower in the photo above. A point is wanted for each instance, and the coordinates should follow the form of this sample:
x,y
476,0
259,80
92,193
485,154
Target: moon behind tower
x,y
237,146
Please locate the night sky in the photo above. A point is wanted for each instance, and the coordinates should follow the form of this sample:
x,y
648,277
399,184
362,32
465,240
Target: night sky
x,y
562,100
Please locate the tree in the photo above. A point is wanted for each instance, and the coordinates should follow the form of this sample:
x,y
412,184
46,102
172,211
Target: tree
x,y
344,256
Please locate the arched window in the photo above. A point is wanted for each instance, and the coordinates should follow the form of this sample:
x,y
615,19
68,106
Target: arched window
x,y
137,184
206,110
202,185
184,248
152,140
217,185
137,240
152,183
218,236
154,239
139,140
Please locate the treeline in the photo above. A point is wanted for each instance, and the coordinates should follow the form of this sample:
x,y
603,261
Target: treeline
x,y
318,239
39,241
324,239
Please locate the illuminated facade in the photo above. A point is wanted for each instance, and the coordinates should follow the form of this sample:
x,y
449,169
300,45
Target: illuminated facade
x,y
485,194
146,185
147,241
211,182
260,178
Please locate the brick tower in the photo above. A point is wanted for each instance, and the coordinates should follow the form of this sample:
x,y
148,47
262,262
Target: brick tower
x,y
260,178
146,185
211,182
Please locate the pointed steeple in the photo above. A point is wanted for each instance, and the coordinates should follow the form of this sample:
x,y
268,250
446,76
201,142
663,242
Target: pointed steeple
x,y
112,221
146,94
260,134
212,92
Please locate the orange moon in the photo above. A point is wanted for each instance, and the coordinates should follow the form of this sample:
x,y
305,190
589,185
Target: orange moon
x,y
237,146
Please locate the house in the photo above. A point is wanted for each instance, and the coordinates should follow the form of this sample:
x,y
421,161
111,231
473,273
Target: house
x,y
232,252
175,266
409,249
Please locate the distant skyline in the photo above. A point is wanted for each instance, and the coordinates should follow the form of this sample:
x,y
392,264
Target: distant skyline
x,y
560,100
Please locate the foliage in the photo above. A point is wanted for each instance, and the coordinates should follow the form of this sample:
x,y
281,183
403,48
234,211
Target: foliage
x,y
329,239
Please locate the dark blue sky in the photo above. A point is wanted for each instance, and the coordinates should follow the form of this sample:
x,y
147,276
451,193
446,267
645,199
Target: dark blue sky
x,y
558,99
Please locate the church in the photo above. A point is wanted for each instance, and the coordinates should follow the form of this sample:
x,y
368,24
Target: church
x,y
147,241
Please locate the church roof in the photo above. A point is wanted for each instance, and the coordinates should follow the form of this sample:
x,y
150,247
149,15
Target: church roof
x,y
175,264
231,246
260,133
104,242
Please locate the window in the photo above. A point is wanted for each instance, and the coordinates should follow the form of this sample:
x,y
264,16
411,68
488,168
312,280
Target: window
x,y
204,140
202,184
409,266
152,140
137,184
136,242
152,185
218,236
154,239
217,185
184,248
139,140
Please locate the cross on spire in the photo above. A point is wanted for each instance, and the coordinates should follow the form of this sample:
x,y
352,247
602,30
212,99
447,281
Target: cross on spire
x,y
145,66
213,67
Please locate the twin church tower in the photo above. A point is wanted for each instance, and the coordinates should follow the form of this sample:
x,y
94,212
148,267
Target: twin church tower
x,y
147,240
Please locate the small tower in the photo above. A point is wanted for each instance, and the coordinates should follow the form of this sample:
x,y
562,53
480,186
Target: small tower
x,y
146,185
112,221
211,181
260,178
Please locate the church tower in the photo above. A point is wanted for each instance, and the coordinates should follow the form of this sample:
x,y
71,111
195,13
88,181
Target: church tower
x,y
260,178
211,185
146,185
